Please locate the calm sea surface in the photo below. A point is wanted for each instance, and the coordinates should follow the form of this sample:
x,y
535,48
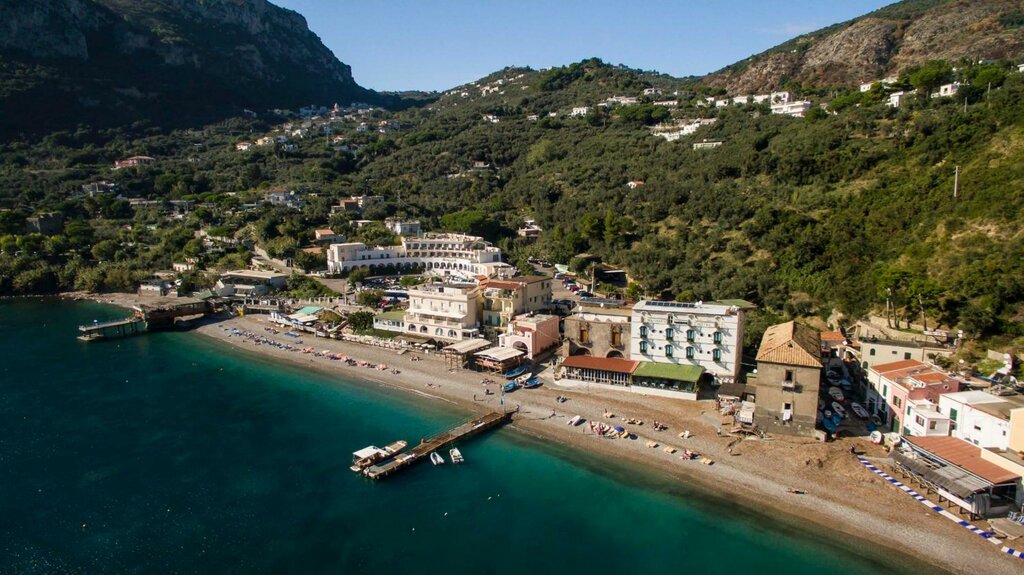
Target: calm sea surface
x,y
171,453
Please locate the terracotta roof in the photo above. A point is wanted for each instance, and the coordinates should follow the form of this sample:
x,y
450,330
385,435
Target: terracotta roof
x,y
964,455
601,363
832,336
907,364
499,284
790,343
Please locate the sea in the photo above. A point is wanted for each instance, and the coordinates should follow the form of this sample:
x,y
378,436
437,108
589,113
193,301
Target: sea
x,y
176,453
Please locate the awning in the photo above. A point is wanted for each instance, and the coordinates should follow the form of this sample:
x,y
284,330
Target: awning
x,y
669,371
468,346
951,478
614,364
303,318
500,353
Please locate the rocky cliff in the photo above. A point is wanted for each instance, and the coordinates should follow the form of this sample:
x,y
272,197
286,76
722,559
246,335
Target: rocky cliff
x,y
884,42
103,61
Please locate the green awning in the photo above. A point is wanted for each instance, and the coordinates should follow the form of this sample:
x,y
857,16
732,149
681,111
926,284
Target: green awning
x,y
669,371
309,310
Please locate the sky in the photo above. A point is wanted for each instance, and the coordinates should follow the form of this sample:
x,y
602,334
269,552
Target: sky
x,y
440,44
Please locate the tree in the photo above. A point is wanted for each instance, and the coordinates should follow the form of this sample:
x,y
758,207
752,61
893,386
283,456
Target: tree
x,y
369,297
930,76
361,320
357,275
105,250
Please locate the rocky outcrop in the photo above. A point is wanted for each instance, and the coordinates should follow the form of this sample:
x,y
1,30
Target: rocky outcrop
x,y
882,43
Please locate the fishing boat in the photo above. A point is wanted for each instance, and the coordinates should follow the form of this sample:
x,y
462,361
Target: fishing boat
x,y
576,420
456,455
436,458
835,393
510,387
531,383
522,379
840,410
517,371
859,410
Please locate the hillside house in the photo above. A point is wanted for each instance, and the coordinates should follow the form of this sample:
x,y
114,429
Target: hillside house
x,y
796,109
134,162
243,146
895,388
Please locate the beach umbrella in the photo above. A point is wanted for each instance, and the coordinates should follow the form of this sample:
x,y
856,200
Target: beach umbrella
x,y
620,429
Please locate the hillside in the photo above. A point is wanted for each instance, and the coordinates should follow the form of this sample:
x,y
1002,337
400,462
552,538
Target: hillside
x,y
113,62
881,43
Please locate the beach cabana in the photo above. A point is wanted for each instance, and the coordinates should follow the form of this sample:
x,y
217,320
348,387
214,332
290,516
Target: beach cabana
x,y
459,354
500,359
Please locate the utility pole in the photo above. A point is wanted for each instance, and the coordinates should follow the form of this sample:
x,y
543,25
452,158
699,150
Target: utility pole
x,y
956,182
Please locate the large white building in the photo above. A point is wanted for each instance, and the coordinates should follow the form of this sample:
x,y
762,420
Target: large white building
x,y
703,334
455,255
982,418
447,312
797,109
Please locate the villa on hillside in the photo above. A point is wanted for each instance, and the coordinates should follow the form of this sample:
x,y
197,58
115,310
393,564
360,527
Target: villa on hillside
x,y
456,255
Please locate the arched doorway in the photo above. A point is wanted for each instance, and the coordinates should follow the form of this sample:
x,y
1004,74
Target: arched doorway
x,y
614,354
581,351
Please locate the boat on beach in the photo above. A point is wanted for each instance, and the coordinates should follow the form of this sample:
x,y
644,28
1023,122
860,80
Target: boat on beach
x,y
859,410
575,420
532,383
456,455
510,387
835,393
516,371
436,458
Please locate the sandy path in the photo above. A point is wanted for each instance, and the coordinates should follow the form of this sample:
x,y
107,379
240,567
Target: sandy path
x,y
840,493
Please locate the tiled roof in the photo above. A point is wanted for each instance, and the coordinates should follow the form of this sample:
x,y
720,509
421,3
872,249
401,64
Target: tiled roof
x,y
963,455
790,343
832,336
601,363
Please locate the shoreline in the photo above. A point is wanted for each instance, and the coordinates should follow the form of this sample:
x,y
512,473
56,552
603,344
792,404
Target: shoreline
x,y
938,543
839,491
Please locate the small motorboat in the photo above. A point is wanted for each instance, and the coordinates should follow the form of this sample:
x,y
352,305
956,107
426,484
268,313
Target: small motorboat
x,y
436,458
510,387
840,410
576,420
456,455
532,383
859,410
835,393
522,379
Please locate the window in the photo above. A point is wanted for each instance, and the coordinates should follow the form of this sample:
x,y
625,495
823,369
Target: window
x,y
690,335
952,414
669,332
931,425
717,337
643,347
643,331
977,428
919,420
716,354
616,338
906,355
668,351
689,353
584,334
787,405
789,375
872,352
897,401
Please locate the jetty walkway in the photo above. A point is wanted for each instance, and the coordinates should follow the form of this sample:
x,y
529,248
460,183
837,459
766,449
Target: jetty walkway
x,y
428,446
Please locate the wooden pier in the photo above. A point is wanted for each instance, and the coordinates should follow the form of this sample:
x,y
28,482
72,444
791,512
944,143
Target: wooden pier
x,y
145,318
428,446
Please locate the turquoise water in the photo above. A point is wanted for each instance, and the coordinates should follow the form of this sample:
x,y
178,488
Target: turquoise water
x,y
172,453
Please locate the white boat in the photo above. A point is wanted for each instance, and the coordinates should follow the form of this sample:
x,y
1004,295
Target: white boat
x,y
576,420
835,393
839,409
859,410
456,455
436,458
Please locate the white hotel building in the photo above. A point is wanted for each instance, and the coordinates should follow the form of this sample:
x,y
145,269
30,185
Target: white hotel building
x,y
455,255
447,311
703,334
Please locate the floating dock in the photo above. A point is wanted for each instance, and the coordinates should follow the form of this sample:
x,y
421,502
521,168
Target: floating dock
x,y
111,329
428,446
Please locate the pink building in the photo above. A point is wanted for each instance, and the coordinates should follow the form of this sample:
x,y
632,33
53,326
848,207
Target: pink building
x,y
902,391
532,333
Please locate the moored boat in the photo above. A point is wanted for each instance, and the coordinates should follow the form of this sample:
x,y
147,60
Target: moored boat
x,y
517,371
859,410
840,410
436,458
456,455
835,393
510,387
532,383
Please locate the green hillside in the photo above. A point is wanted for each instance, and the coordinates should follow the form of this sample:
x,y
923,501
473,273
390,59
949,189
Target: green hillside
x,y
800,215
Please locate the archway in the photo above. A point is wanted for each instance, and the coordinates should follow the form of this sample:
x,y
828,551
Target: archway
x,y
581,351
615,354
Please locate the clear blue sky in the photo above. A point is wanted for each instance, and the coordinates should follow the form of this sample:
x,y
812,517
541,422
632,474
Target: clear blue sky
x,y
439,44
